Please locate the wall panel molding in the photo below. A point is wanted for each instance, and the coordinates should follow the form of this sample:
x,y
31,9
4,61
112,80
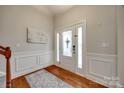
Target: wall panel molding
x,y
25,62
102,68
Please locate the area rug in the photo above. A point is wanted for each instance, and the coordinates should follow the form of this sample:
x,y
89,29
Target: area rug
x,y
44,79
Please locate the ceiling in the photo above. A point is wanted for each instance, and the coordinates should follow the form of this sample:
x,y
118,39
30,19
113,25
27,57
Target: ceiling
x,y
53,9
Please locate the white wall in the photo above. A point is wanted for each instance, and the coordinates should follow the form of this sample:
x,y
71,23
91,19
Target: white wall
x,y
120,23
14,21
101,26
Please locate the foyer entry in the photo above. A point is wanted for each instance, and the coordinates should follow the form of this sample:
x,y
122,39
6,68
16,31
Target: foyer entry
x,y
71,48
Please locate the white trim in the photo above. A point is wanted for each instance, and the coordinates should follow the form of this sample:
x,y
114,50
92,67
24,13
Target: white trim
x,y
84,50
32,61
104,55
120,85
108,60
2,74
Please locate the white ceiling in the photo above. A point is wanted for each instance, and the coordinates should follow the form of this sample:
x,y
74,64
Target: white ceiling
x,y
57,9
53,9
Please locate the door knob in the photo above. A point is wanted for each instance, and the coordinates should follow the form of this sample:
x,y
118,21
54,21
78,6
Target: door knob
x,y
74,49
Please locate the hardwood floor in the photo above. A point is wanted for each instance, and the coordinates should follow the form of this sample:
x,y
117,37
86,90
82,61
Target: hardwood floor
x,y
67,76
20,83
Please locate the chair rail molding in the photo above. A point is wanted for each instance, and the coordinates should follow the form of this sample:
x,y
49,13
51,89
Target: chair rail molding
x,y
26,62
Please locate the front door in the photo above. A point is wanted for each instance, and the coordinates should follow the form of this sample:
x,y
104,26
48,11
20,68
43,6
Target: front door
x,y
71,48
67,49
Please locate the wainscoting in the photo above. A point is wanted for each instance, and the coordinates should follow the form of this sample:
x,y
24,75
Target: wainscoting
x,y
102,68
26,62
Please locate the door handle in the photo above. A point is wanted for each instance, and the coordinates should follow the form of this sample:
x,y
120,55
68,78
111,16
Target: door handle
x,y
74,49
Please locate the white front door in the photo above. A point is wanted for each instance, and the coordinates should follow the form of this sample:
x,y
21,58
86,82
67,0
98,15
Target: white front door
x,y
67,52
71,48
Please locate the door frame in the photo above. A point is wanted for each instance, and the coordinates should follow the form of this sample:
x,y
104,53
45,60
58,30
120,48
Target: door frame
x,y
59,30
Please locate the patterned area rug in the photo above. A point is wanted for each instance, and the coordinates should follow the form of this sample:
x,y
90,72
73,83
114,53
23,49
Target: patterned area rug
x,y
44,79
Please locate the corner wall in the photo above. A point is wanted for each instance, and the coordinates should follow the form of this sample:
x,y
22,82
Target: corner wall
x,y
14,21
120,23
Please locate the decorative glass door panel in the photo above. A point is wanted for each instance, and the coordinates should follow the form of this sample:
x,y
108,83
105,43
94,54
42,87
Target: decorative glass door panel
x,y
80,38
67,43
58,47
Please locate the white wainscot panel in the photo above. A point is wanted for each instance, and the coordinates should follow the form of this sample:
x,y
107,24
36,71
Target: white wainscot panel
x,y
26,62
44,59
102,68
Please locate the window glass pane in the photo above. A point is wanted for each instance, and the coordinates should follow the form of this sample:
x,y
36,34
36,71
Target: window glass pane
x,y
67,43
80,47
57,47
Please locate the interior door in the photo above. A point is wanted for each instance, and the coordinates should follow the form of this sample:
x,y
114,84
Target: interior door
x,y
68,49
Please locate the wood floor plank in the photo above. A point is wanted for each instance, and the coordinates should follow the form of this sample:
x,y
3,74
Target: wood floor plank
x,y
20,82
67,76
72,78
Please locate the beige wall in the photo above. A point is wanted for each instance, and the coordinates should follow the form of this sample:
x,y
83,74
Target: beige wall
x,y
14,21
120,21
101,26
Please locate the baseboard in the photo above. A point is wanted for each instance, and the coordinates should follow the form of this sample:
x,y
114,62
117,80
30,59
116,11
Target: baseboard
x,y
37,69
120,85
